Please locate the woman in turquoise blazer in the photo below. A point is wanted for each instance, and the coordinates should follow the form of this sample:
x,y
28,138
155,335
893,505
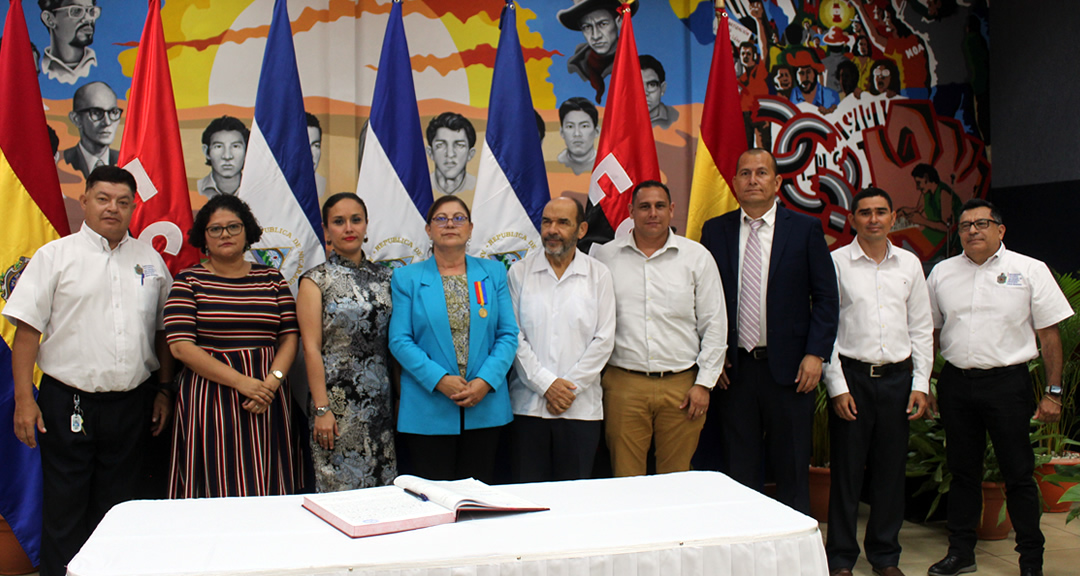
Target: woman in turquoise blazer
x,y
454,334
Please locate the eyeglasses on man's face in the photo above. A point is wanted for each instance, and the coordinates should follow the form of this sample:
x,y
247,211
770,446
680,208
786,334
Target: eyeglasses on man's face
x,y
980,224
97,114
233,229
442,221
76,12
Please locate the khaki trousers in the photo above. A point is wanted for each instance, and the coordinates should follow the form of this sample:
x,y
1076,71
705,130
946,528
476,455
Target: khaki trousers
x,y
638,408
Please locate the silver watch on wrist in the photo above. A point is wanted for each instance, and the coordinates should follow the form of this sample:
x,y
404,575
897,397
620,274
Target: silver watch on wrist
x,y
322,410
1053,390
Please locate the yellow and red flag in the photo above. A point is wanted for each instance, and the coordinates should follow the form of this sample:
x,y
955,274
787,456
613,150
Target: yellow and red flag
x,y
151,151
721,141
33,215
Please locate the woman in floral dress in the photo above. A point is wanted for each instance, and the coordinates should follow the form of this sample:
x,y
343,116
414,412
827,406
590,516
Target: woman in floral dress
x,y
344,308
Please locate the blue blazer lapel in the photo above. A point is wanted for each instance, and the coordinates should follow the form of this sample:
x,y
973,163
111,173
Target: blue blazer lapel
x,y
479,327
433,299
779,241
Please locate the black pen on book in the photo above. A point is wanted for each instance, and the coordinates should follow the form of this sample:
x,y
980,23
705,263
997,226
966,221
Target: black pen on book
x,y
417,495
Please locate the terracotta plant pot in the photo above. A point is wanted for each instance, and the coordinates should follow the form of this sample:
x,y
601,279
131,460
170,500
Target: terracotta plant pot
x,y
12,558
1050,493
820,479
993,501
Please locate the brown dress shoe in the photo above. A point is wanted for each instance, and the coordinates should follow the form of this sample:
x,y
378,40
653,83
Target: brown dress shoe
x,y
840,572
888,571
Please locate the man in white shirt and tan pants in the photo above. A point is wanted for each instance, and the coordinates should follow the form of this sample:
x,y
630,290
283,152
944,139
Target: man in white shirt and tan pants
x,y
87,309
878,379
670,338
989,305
565,307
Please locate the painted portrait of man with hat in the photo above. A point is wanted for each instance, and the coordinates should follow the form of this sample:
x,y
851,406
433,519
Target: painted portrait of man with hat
x,y
599,21
808,87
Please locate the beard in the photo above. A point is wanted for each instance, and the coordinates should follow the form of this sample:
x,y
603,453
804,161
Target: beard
x,y
561,249
80,41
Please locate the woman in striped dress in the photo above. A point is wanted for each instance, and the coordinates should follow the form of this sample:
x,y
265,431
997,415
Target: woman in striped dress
x,y
233,325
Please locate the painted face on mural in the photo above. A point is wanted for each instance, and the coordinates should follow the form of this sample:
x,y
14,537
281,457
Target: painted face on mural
x,y
95,114
654,88
807,79
747,56
450,152
314,135
226,153
73,22
601,30
783,79
579,133
882,78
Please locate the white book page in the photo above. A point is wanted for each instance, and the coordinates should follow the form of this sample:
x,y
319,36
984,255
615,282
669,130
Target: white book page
x,y
468,493
376,505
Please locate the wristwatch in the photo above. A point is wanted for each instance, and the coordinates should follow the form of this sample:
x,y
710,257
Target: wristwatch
x,y
1053,390
277,374
322,410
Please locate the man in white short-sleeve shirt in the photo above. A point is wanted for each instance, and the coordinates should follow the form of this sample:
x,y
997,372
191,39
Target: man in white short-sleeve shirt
x,y
989,305
670,338
565,306
87,309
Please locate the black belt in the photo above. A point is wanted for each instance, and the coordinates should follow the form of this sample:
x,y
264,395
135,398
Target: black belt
x,y
113,395
759,353
656,374
987,372
876,370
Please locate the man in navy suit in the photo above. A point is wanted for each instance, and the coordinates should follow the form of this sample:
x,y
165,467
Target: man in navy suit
x,y
782,308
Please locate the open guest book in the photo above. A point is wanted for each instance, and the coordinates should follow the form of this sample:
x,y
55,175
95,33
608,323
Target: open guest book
x,y
409,504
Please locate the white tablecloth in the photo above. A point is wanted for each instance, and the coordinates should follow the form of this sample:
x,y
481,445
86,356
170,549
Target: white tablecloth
x,y
692,523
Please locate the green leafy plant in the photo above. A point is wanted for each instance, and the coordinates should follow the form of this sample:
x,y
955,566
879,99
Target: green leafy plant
x,y
1054,436
819,455
1067,473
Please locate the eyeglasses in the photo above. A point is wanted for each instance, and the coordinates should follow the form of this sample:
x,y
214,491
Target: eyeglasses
x,y
232,229
441,221
980,224
97,114
652,85
76,12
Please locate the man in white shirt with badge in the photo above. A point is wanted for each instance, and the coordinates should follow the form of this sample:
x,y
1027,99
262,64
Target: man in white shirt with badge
x,y
565,306
989,306
670,338
88,309
878,379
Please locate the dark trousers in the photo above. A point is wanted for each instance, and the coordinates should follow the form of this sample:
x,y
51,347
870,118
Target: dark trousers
x,y
875,443
999,402
553,449
84,475
756,411
470,454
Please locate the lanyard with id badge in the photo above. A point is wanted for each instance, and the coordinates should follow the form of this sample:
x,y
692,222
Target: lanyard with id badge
x,y
77,417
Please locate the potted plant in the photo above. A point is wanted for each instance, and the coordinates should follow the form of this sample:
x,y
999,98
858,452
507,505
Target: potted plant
x,y
1069,474
1054,437
819,456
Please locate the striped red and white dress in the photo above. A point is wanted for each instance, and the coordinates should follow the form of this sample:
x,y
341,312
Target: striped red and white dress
x,y
220,449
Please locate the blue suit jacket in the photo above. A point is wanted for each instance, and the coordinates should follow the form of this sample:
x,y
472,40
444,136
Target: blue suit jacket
x,y
802,303
420,340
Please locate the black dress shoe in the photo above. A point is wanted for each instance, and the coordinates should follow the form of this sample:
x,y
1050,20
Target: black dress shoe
x,y
951,566
1031,572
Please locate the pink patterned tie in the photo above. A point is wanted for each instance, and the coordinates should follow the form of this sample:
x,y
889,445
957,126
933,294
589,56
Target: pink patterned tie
x,y
750,293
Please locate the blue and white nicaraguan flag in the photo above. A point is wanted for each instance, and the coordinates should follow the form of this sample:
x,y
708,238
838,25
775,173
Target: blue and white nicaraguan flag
x,y
394,180
511,184
279,176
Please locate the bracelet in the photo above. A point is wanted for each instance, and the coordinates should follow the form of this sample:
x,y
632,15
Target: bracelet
x,y
1052,399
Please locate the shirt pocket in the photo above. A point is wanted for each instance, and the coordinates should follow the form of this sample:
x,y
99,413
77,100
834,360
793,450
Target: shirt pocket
x,y
678,295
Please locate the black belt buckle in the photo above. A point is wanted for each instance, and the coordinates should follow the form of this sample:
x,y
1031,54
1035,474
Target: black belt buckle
x,y
759,353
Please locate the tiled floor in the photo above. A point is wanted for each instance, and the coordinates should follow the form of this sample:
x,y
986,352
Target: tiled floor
x,y
925,544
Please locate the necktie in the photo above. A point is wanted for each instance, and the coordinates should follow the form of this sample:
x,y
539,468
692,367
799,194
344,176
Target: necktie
x,y
97,164
750,292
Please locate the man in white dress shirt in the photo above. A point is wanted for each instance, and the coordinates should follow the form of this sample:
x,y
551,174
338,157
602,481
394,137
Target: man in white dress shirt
x,y
565,306
989,305
87,309
878,380
670,338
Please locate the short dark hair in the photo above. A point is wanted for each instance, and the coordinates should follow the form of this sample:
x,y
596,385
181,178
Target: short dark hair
x,y
331,201
49,5
748,44
446,200
650,184
980,203
925,171
113,175
252,230
225,124
54,140
579,104
772,159
540,126
648,62
454,122
313,122
850,82
870,192
894,75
